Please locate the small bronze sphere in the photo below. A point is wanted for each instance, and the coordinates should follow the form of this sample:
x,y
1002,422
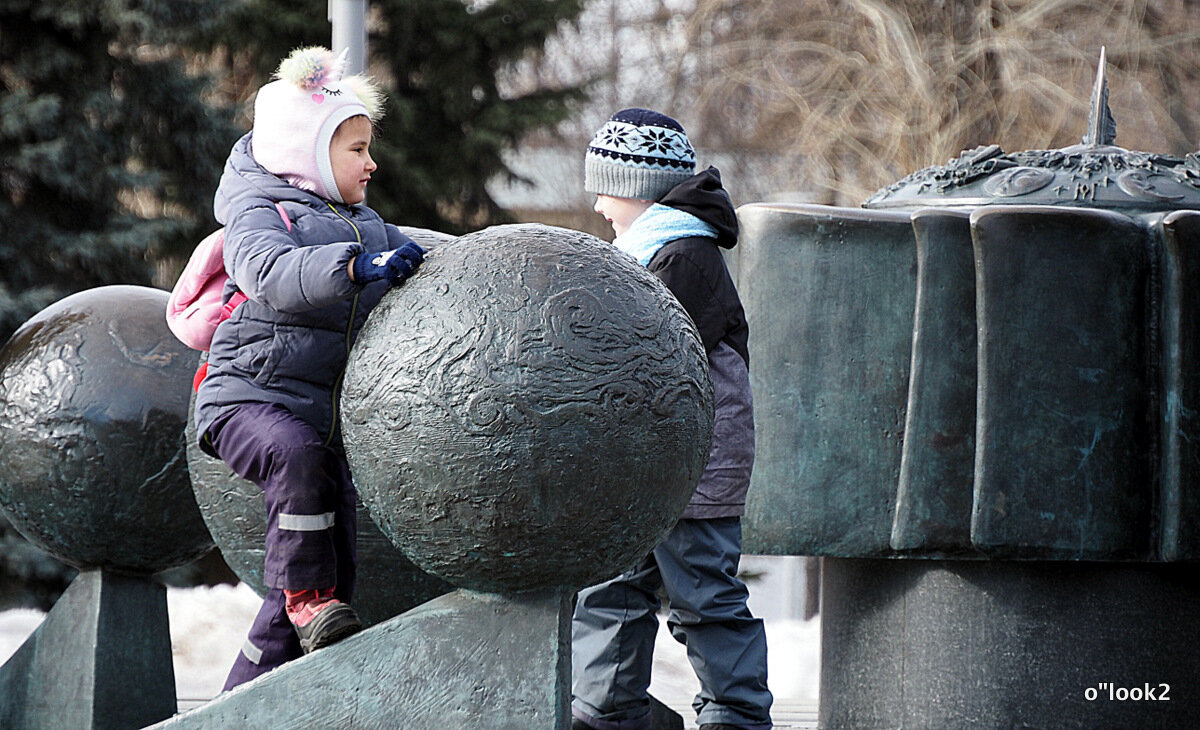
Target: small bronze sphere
x,y
531,409
93,403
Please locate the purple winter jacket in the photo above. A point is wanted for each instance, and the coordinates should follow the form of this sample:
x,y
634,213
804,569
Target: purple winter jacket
x,y
289,343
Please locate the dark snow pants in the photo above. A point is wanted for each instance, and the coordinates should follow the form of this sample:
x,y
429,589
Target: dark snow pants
x,y
311,521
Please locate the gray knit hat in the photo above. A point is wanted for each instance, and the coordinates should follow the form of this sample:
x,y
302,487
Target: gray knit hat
x,y
638,154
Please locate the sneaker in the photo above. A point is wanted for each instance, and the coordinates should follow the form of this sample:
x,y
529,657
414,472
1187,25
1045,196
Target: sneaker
x,y
320,619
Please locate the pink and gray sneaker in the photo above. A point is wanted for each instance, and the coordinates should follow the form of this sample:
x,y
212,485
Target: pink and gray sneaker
x,y
319,618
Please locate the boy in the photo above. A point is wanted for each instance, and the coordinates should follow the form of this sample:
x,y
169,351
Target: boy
x,y
641,166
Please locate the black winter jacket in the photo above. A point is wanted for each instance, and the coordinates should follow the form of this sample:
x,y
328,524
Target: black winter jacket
x,y
695,272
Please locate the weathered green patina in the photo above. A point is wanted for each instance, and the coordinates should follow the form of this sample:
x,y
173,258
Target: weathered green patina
x,y
1010,514
991,360
100,660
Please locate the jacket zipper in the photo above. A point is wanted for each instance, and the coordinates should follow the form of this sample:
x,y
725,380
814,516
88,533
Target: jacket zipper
x,y
337,385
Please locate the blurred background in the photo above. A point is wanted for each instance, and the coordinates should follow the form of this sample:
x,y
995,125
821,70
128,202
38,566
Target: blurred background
x,y
116,117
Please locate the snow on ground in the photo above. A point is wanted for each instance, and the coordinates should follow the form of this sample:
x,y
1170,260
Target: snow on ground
x,y
793,653
208,627
15,625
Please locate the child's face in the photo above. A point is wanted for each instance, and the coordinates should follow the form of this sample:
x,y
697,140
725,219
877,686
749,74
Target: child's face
x,y
351,160
620,212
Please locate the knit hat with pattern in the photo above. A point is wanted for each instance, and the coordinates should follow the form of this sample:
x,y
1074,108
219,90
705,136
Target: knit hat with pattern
x,y
638,154
296,115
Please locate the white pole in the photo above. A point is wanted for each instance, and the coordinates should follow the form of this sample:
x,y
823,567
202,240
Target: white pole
x,y
349,21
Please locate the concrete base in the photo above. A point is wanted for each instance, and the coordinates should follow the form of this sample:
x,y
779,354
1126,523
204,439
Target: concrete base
x,y
101,660
1006,644
463,660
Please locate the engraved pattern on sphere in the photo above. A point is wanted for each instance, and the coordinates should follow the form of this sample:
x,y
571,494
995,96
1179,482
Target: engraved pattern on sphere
x,y
531,409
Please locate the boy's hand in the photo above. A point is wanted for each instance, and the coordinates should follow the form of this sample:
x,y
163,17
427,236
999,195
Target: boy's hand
x,y
395,266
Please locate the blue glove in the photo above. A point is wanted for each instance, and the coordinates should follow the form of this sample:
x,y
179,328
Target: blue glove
x,y
409,253
395,265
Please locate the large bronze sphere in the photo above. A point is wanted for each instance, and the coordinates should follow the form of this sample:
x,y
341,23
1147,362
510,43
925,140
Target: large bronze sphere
x,y
532,409
93,402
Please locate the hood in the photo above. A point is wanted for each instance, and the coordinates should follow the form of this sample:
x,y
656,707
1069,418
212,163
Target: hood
x,y
703,196
245,183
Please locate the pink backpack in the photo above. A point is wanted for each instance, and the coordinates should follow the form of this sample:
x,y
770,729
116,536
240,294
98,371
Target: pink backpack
x,y
194,308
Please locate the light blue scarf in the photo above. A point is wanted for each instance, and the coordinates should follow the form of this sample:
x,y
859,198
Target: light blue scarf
x,y
657,227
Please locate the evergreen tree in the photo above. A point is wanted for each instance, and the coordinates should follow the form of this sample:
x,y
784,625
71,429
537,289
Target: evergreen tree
x,y
108,158
451,121
107,146
442,61
111,146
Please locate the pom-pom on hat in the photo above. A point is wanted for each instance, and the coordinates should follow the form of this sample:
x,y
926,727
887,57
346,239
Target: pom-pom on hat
x,y
296,115
638,154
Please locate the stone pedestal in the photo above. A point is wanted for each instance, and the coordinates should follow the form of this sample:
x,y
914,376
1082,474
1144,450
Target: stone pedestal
x,y
1008,644
463,660
101,660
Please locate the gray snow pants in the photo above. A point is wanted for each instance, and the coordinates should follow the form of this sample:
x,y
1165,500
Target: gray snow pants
x,y
615,624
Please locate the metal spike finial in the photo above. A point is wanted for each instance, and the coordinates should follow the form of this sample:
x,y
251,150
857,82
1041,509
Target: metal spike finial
x,y
1102,128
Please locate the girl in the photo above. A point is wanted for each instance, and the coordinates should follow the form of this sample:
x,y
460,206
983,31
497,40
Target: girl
x,y
311,261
